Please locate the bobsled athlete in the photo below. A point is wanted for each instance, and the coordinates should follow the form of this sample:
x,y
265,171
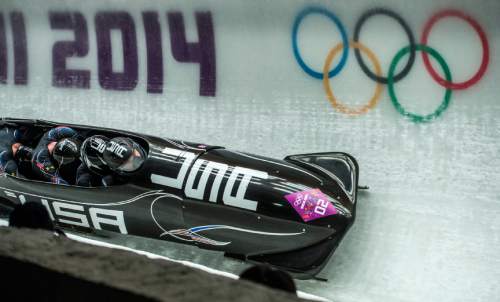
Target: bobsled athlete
x,y
124,156
94,171
12,151
57,147
108,162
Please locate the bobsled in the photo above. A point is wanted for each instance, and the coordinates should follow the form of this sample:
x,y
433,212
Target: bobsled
x,y
290,213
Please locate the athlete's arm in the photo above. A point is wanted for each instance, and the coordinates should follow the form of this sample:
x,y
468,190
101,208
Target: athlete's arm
x,y
43,166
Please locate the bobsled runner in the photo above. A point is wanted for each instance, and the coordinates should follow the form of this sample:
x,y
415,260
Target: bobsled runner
x,y
290,213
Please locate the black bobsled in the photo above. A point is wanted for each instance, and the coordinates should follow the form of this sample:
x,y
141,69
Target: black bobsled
x,y
289,213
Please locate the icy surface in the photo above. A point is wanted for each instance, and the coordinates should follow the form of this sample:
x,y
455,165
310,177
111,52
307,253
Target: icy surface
x,y
427,230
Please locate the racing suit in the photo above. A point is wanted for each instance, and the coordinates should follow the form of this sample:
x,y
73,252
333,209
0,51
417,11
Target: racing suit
x,y
8,137
43,164
7,162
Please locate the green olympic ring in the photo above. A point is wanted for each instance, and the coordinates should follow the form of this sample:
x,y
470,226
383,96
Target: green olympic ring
x,y
417,118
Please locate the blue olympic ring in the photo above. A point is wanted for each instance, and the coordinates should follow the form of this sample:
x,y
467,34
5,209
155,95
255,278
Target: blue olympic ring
x,y
345,42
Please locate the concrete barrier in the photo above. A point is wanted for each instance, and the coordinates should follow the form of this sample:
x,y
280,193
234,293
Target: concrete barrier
x,y
50,268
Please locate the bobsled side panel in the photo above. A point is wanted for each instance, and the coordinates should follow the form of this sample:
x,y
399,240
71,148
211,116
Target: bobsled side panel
x,y
277,186
125,209
245,232
303,263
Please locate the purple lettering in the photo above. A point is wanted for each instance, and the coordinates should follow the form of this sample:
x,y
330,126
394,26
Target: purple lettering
x,y
154,52
61,76
3,52
109,79
202,52
20,50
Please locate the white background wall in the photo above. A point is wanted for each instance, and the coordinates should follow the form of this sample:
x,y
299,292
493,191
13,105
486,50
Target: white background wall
x,y
428,229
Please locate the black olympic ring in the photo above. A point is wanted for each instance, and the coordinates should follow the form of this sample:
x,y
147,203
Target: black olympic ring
x,y
411,39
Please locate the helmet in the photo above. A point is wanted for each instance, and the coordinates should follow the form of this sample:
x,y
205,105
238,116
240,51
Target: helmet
x,y
123,155
92,152
24,134
66,151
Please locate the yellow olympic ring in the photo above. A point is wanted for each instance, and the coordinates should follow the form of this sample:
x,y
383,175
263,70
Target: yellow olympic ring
x,y
326,83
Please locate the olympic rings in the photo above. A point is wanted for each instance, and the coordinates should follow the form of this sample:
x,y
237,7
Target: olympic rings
x,y
326,83
391,78
484,43
335,19
446,100
406,28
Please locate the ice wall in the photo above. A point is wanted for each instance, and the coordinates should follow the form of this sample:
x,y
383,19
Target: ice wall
x,y
225,72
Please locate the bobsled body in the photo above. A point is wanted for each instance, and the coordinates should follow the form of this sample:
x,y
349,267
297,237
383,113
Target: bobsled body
x,y
290,213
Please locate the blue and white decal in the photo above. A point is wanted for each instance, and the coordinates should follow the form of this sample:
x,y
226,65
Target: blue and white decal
x,y
192,234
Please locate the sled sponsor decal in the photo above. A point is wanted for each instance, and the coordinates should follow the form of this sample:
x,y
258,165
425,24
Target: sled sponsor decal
x,y
311,204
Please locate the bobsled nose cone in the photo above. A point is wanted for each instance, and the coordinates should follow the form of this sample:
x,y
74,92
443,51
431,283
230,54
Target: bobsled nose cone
x,y
339,222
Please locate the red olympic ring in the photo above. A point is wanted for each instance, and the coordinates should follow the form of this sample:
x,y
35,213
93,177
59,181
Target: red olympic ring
x,y
484,43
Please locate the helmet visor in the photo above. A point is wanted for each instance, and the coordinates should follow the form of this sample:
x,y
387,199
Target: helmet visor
x,y
133,163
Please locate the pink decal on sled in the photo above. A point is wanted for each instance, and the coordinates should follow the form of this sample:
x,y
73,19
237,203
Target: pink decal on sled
x,y
311,204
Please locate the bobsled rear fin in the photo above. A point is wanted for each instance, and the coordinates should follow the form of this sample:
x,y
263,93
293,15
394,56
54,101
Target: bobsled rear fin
x,y
336,166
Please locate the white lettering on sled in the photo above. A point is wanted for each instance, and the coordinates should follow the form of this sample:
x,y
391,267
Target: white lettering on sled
x,y
202,184
211,167
175,182
78,219
97,218
239,200
75,214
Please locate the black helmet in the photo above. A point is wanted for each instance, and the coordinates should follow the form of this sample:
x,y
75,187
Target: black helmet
x,y
92,154
66,151
122,154
24,134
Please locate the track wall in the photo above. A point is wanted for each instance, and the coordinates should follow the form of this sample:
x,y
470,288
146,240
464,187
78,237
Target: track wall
x,y
226,73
